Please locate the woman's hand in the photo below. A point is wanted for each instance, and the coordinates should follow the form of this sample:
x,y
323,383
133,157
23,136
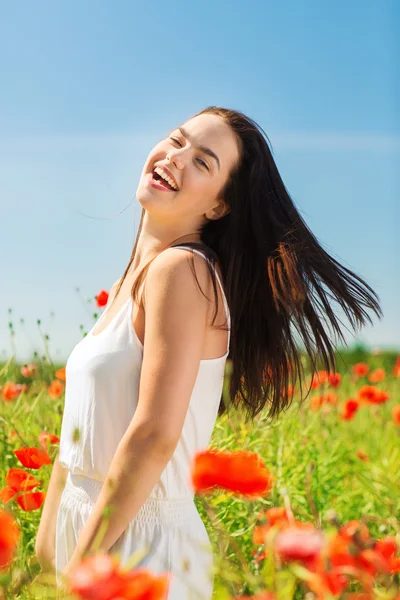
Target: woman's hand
x,y
46,558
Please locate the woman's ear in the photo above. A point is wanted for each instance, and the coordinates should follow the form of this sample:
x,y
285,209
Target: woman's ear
x,y
218,211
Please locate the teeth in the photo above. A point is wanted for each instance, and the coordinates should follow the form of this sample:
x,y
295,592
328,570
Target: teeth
x,y
166,177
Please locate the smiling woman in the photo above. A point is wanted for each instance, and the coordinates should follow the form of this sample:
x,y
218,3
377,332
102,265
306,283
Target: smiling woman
x,y
145,390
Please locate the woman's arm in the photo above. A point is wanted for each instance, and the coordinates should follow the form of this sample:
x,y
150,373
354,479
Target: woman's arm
x,y
45,545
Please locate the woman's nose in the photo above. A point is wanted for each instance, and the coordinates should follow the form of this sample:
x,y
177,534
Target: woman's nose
x,y
177,156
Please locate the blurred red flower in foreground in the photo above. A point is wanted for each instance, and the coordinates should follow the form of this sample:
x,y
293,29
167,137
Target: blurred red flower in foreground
x,y
301,544
353,546
99,577
32,458
275,516
360,369
9,539
102,298
242,472
332,560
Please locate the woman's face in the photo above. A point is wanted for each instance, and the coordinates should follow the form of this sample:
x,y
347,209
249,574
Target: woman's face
x,y
200,173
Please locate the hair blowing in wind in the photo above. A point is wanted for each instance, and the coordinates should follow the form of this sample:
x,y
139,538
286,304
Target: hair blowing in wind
x,y
277,279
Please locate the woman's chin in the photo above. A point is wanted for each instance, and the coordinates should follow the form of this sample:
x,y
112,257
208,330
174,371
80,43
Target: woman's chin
x,y
149,200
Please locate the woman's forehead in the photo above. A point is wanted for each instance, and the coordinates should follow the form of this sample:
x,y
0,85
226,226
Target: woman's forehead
x,y
214,132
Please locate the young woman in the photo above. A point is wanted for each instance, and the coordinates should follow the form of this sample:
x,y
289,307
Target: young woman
x,y
144,387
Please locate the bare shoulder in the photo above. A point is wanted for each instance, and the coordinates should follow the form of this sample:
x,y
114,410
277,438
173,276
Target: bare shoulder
x,y
114,287
113,291
172,270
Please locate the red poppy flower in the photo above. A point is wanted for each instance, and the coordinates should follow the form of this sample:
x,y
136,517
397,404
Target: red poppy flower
x,y
372,562
276,514
44,436
379,397
20,480
99,577
31,500
33,458
396,368
323,584
355,527
331,398
291,391
9,391
96,576
335,379
102,298
396,414
299,544
9,538
319,378
350,407
60,374
142,583
317,402
55,389
242,472
360,369
362,455
6,493
370,394
387,547
352,546
377,375
29,370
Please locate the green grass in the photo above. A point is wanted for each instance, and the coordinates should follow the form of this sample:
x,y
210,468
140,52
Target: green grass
x,y
312,455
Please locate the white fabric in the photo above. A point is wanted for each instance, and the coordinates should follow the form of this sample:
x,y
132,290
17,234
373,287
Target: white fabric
x,y
102,383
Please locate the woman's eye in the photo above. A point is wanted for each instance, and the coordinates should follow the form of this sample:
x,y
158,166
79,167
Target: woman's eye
x,y
202,161
199,159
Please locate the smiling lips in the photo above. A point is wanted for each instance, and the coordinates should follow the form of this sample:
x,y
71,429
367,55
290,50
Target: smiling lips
x,y
164,173
159,184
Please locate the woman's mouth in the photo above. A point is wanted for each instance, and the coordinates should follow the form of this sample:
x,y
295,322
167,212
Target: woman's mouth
x,y
159,183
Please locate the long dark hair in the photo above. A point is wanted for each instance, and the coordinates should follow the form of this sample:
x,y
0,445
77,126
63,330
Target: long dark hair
x,y
274,275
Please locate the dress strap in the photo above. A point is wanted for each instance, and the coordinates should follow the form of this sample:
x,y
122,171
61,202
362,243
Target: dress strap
x,y
228,315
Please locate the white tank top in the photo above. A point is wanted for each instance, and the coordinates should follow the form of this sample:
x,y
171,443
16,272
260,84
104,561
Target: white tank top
x,y
101,394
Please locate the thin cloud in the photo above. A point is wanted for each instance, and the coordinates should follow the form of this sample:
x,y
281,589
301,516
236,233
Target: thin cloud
x,y
289,140
334,141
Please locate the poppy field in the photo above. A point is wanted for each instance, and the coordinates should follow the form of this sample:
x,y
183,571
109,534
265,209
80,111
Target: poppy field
x,y
305,506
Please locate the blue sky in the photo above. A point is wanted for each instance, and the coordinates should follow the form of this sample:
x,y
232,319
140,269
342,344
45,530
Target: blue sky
x,y
88,88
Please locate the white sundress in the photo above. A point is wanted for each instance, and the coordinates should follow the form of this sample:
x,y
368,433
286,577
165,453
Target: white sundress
x,y
102,384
